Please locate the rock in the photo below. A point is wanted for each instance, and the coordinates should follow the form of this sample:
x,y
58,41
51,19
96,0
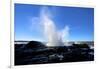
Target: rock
x,y
35,44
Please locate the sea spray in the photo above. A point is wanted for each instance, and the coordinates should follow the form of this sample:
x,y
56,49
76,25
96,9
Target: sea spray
x,y
45,24
54,36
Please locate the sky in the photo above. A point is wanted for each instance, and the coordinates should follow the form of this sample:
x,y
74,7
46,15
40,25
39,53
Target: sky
x,y
80,21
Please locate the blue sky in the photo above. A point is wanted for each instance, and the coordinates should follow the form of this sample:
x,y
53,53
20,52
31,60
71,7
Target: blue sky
x,y
79,20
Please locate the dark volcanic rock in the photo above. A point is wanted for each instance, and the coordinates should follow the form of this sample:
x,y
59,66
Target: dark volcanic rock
x,y
35,44
81,45
36,52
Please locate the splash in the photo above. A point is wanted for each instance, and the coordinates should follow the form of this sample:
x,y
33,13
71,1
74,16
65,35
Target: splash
x,y
54,36
44,22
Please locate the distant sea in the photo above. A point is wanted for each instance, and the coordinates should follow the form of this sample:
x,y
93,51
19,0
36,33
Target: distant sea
x,y
90,43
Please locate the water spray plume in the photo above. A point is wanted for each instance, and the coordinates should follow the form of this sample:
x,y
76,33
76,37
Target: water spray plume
x,y
54,36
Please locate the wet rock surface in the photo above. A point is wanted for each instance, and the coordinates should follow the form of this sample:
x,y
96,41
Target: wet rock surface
x,y
36,52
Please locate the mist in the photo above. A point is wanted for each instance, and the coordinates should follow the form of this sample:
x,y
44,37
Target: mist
x,y
53,36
